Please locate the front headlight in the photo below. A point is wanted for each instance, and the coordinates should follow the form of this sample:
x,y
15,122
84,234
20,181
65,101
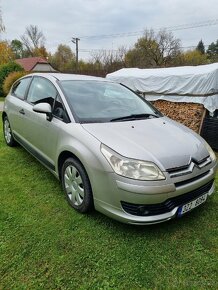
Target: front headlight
x,y
210,151
131,168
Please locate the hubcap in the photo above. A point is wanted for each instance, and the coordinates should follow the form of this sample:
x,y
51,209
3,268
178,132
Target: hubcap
x,y
7,131
74,185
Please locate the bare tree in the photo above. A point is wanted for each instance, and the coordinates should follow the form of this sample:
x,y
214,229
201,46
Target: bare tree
x,y
169,46
121,54
33,39
97,57
109,60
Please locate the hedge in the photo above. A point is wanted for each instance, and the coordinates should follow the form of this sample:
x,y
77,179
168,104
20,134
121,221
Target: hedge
x,y
5,70
10,79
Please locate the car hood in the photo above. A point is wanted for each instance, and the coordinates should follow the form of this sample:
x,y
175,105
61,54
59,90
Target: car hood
x,y
160,140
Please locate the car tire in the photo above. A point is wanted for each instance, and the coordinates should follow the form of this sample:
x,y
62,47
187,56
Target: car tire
x,y
9,139
76,185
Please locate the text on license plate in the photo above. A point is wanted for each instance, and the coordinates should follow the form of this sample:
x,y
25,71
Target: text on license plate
x,y
192,204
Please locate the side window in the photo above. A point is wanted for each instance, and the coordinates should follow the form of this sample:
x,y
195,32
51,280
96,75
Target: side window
x,y
19,89
41,91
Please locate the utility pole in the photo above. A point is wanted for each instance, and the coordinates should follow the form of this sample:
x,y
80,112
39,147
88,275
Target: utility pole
x,y
76,40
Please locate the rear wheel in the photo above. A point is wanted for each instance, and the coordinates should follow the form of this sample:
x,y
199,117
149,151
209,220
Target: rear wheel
x,y
76,185
9,139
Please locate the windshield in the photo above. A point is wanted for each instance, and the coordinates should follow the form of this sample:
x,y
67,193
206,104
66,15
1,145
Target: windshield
x,y
98,101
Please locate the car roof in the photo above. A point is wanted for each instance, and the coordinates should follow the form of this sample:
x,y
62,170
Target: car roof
x,y
66,77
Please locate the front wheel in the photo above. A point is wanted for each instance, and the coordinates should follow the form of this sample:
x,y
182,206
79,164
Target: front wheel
x,y
9,139
76,185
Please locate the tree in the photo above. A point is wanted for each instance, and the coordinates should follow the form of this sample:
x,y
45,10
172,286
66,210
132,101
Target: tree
x,y
136,58
200,47
109,60
154,50
5,70
5,52
33,39
41,51
212,51
193,57
17,48
63,59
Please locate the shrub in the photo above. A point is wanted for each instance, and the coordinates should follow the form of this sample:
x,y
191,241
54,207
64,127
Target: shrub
x,y
5,70
10,79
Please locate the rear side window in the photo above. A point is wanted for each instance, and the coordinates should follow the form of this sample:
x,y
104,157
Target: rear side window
x,y
19,89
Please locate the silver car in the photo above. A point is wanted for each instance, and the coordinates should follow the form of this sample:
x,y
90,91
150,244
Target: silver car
x,y
111,149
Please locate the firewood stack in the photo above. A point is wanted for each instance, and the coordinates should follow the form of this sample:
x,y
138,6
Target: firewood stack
x,y
188,114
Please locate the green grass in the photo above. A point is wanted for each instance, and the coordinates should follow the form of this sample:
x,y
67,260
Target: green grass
x,y
44,244
2,99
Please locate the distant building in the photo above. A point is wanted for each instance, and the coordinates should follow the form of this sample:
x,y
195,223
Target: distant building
x,y
36,64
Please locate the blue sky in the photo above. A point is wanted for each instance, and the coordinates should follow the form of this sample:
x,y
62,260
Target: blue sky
x,y
60,20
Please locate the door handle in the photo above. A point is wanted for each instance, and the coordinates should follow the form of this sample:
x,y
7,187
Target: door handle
x,y
22,112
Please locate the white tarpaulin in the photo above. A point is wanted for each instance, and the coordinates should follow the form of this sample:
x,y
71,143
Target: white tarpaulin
x,y
197,84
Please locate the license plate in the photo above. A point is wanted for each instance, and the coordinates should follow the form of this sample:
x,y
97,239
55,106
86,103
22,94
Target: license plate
x,y
192,204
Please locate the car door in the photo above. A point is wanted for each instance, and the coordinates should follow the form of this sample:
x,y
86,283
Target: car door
x,y
39,134
14,105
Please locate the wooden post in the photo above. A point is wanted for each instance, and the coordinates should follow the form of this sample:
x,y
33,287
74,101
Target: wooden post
x,y
202,121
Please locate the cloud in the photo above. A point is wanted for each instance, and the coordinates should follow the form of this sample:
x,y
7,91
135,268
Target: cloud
x,y
60,20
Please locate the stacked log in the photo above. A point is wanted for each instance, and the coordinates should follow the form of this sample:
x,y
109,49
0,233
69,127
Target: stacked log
x,y
189,114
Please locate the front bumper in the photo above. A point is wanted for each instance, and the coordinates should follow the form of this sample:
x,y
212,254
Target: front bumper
x,y
121,193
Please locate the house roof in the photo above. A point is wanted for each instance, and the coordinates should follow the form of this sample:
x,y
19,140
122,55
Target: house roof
x,y
29,63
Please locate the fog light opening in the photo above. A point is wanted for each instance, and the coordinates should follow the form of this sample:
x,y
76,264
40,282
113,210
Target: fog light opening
x,y
143,211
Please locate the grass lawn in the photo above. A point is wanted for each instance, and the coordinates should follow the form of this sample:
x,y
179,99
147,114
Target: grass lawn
x,y
44,244
2,99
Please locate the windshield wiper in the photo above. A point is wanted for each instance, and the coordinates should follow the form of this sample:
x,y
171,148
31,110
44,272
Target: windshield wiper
x,y
134,117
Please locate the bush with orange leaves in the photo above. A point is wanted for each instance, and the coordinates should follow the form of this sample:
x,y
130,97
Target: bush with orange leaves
x,y
10,79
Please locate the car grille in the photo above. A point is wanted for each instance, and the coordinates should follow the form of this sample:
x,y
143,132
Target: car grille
x,y
187,169
187,181
168,205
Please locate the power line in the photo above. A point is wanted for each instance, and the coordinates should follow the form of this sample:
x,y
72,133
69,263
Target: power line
x,y
116,50
136,33
170,28
193,25
97,49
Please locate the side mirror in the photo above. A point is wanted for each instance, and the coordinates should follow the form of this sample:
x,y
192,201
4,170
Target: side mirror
x,y
43,108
